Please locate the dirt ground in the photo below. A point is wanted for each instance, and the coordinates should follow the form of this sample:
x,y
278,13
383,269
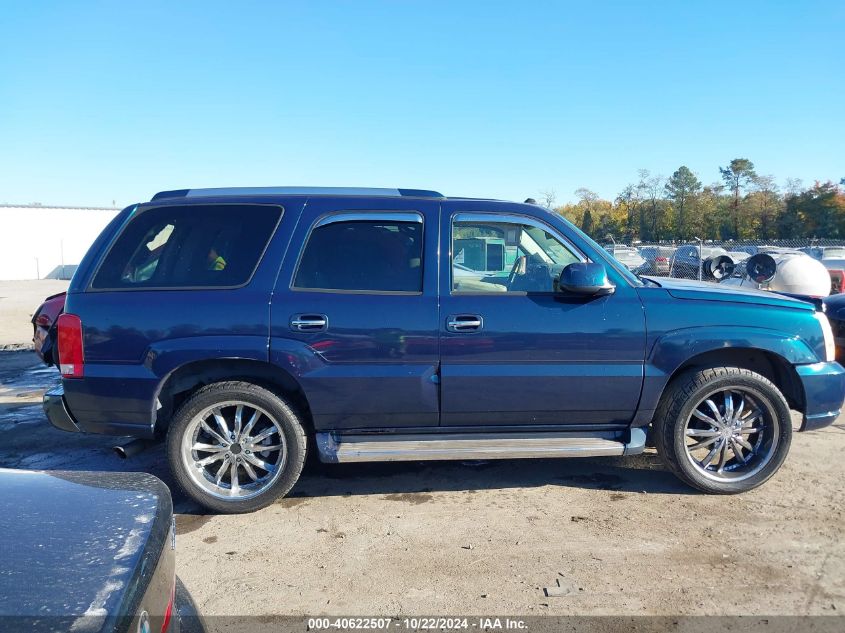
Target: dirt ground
x,y
608,536
18,300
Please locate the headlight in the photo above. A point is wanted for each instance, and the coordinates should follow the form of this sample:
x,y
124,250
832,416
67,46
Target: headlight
x,y
829,344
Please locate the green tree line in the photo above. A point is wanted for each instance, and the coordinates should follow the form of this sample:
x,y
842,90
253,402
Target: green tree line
x,y
741,205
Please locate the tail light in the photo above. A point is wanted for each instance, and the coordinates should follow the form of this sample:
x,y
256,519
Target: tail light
x,y
661,259
71,361
168,613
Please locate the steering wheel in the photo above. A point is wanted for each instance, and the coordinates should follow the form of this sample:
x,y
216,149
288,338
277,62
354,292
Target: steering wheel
x,y
520,264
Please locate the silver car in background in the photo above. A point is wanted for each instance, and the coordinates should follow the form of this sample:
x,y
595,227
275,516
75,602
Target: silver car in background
x,y
628,256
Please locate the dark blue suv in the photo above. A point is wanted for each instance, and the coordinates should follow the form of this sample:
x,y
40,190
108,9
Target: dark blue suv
x,y
251,326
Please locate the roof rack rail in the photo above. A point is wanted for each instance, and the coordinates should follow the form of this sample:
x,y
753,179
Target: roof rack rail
x,y
296,191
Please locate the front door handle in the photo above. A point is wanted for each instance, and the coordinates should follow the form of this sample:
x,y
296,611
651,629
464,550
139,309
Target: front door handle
x,y
464,323
309,322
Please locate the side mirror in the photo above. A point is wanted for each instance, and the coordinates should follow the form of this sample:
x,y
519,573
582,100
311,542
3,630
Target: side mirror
x,y
586,279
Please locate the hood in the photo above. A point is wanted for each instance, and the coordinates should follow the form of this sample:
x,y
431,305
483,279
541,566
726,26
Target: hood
x,y
835,306
710,291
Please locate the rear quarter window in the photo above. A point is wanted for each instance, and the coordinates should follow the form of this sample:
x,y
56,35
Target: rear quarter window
x,y
189,246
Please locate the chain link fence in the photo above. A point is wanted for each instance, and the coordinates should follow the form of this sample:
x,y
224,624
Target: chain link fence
x,y
687,260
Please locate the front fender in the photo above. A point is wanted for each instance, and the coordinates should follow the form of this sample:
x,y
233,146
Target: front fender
x,y
675,348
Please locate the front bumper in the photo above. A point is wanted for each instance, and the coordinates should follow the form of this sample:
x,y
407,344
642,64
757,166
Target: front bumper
x,y
824,392
55,408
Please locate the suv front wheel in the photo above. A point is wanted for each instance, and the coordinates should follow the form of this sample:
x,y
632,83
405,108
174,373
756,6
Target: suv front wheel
x,y
723,430
235,447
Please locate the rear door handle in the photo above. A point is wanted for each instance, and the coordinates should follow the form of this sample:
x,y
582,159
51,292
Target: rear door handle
x,y
464,323
309,322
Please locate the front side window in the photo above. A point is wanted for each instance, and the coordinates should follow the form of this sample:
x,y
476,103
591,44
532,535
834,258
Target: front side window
x,y
363,255
189,246
490,256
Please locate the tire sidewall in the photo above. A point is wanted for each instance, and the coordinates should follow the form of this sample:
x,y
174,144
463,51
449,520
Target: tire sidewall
x,y
768,396
210,395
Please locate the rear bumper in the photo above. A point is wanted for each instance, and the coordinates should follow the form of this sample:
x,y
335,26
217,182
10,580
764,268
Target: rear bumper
x,y
187,617
56,410
824,392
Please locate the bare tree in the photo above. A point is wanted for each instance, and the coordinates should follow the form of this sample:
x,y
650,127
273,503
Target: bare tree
x,y
549,197
651,188
586,197
794,186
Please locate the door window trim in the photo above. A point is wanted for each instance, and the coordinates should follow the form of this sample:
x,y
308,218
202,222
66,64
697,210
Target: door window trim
x,y
334,217
493,217
366,216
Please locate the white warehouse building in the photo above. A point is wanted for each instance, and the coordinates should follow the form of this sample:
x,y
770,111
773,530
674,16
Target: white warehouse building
x,y
36,241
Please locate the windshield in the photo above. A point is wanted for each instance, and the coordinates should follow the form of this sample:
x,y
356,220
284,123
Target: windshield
x,y
617,266
536,240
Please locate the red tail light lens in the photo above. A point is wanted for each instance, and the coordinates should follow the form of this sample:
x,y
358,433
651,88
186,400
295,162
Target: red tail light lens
x,y
71,363
168,613
660,259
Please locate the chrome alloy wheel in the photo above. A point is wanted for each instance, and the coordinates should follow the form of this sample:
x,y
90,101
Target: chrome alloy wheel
x,y
731,435
234,450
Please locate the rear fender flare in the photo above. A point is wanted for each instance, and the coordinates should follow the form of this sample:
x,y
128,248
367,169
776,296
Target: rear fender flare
x,y
243,357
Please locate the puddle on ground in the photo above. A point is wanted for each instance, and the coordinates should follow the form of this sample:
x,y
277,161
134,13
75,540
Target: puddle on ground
x,y
290,502
409,497
600,481
12,416
186,523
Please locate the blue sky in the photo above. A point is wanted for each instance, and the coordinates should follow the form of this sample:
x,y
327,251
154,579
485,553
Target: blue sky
x,y
103,101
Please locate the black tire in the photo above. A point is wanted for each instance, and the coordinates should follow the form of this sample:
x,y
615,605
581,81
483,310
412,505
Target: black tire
x,y
251,395
689,391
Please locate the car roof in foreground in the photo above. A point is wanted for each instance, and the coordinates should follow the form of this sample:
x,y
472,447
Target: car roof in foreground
x,y
75,540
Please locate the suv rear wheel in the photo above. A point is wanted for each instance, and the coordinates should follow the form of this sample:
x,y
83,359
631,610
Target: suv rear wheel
x,y
723,430
235,447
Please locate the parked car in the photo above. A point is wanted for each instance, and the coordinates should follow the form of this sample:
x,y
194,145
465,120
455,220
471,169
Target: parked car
x,y
824,252
687,261
836,270
90,551
628,256
249,326
835,311
657,260
43,324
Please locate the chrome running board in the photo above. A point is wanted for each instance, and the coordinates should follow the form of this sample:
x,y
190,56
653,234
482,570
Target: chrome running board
x,y
342,448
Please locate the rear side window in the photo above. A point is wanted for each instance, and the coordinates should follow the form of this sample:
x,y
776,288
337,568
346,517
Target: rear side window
x,y
189,246
380,256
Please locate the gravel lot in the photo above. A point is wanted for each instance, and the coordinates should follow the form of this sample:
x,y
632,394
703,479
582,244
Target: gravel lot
x,y
607,536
